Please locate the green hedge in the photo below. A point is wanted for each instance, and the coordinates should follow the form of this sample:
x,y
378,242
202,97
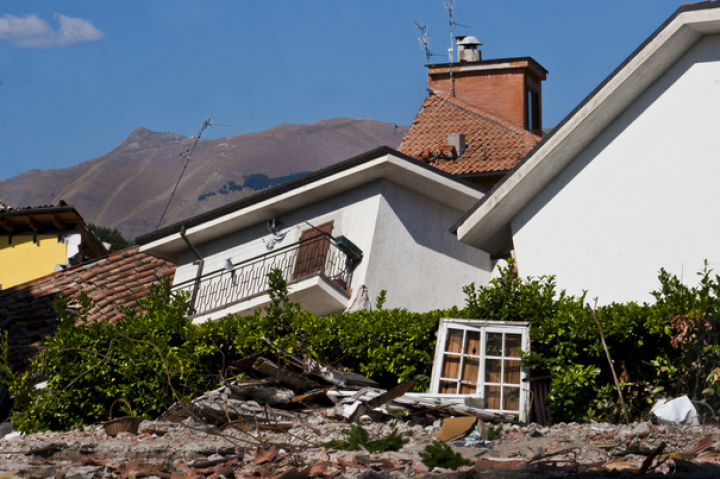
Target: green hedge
x,y
156,356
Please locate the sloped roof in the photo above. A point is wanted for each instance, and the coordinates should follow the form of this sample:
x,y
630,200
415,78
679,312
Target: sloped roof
x,y
492,144
49,219
381,163
118,280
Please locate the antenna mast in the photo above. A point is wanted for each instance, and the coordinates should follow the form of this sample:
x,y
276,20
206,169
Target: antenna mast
x,y
187,155
450,6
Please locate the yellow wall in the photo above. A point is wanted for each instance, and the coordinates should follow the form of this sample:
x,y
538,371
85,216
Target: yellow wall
x,y
24,260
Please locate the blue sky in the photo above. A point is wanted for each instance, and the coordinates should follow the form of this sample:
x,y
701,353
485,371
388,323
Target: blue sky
x,y
76,77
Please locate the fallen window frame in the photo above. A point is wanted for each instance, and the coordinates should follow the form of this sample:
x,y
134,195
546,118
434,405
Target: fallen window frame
x,y
480,329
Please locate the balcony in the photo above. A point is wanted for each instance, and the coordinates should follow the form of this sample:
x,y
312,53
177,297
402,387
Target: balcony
x,y
317,269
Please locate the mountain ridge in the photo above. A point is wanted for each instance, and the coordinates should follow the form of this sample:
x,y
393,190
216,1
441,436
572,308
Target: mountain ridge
x,y
128,187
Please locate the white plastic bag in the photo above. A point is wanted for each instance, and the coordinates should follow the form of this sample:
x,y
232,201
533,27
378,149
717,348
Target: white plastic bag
x,y
679,411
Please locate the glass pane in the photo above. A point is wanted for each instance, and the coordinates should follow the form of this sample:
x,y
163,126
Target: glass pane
x,y
453,343
512,371
511,398
471,369
451,367
494,344
472,343
468,388
512,345
492,397
447,387
492,370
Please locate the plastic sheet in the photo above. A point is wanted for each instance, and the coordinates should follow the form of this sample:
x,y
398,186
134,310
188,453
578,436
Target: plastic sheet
x,y
678,411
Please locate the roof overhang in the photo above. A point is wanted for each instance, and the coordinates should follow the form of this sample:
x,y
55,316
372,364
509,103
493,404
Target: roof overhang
x,y
47,219
487,225
382,163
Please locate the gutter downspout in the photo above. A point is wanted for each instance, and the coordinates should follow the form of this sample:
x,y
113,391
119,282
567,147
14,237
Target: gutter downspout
x,y
201,265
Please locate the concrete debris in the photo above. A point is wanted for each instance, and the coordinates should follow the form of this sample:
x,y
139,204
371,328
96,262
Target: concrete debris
x,y
194,450
294,424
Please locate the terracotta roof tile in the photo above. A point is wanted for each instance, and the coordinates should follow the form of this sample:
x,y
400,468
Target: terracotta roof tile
x,y
4,208
26,311
492,144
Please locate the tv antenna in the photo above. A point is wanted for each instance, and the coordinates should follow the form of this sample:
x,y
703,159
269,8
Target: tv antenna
x,y
425,42
187,154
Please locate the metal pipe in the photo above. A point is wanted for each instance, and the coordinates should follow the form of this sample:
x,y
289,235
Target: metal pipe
x,y
199,273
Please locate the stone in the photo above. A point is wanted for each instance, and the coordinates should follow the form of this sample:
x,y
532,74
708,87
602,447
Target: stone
x,y
632,447
533,452
644,429
85,472
38,472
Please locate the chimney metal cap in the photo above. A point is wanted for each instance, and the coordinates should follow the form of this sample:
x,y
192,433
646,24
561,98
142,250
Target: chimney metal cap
x,y
467,40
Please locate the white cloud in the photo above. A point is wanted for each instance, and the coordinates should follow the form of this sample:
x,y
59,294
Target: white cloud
x,y
31,31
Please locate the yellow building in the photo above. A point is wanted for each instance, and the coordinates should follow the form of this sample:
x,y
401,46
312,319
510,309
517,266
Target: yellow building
x,y
35,241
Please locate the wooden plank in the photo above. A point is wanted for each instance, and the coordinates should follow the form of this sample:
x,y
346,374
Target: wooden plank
x,y
284,375
32,223
7,224
58,222
394,393
313,394
245,365
93,249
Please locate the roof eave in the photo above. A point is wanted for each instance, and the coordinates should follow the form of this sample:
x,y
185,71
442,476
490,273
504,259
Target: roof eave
x,y
391,165
488,222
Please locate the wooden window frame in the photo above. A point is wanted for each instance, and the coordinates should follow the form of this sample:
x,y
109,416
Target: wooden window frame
x,y
483,328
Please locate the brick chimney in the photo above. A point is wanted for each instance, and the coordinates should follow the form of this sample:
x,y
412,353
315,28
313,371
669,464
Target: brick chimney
x,y
509,88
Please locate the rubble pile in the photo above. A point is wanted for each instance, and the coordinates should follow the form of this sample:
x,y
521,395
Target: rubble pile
x,y
282,417
169,450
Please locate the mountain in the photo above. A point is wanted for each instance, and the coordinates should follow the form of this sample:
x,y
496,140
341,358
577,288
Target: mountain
x,y
129,187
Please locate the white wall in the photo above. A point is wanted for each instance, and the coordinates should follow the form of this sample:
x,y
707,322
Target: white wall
x,y
73,241
408,249
415,257
353,214
643,195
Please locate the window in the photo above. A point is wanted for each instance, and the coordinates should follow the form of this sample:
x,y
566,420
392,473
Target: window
x,y
533,120
482,358
532,112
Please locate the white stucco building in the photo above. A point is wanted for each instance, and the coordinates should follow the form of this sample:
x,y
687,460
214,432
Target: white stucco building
x,y
627,183
379,220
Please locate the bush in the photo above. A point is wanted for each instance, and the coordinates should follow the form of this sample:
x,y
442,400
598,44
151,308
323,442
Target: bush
x,y
113,236
147,358
391,346
566,343
155,356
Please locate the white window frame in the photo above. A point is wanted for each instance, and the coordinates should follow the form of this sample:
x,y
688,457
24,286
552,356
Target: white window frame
x,y
483,327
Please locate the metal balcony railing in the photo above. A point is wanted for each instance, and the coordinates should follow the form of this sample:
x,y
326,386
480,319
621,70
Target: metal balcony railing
x,y
220,289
